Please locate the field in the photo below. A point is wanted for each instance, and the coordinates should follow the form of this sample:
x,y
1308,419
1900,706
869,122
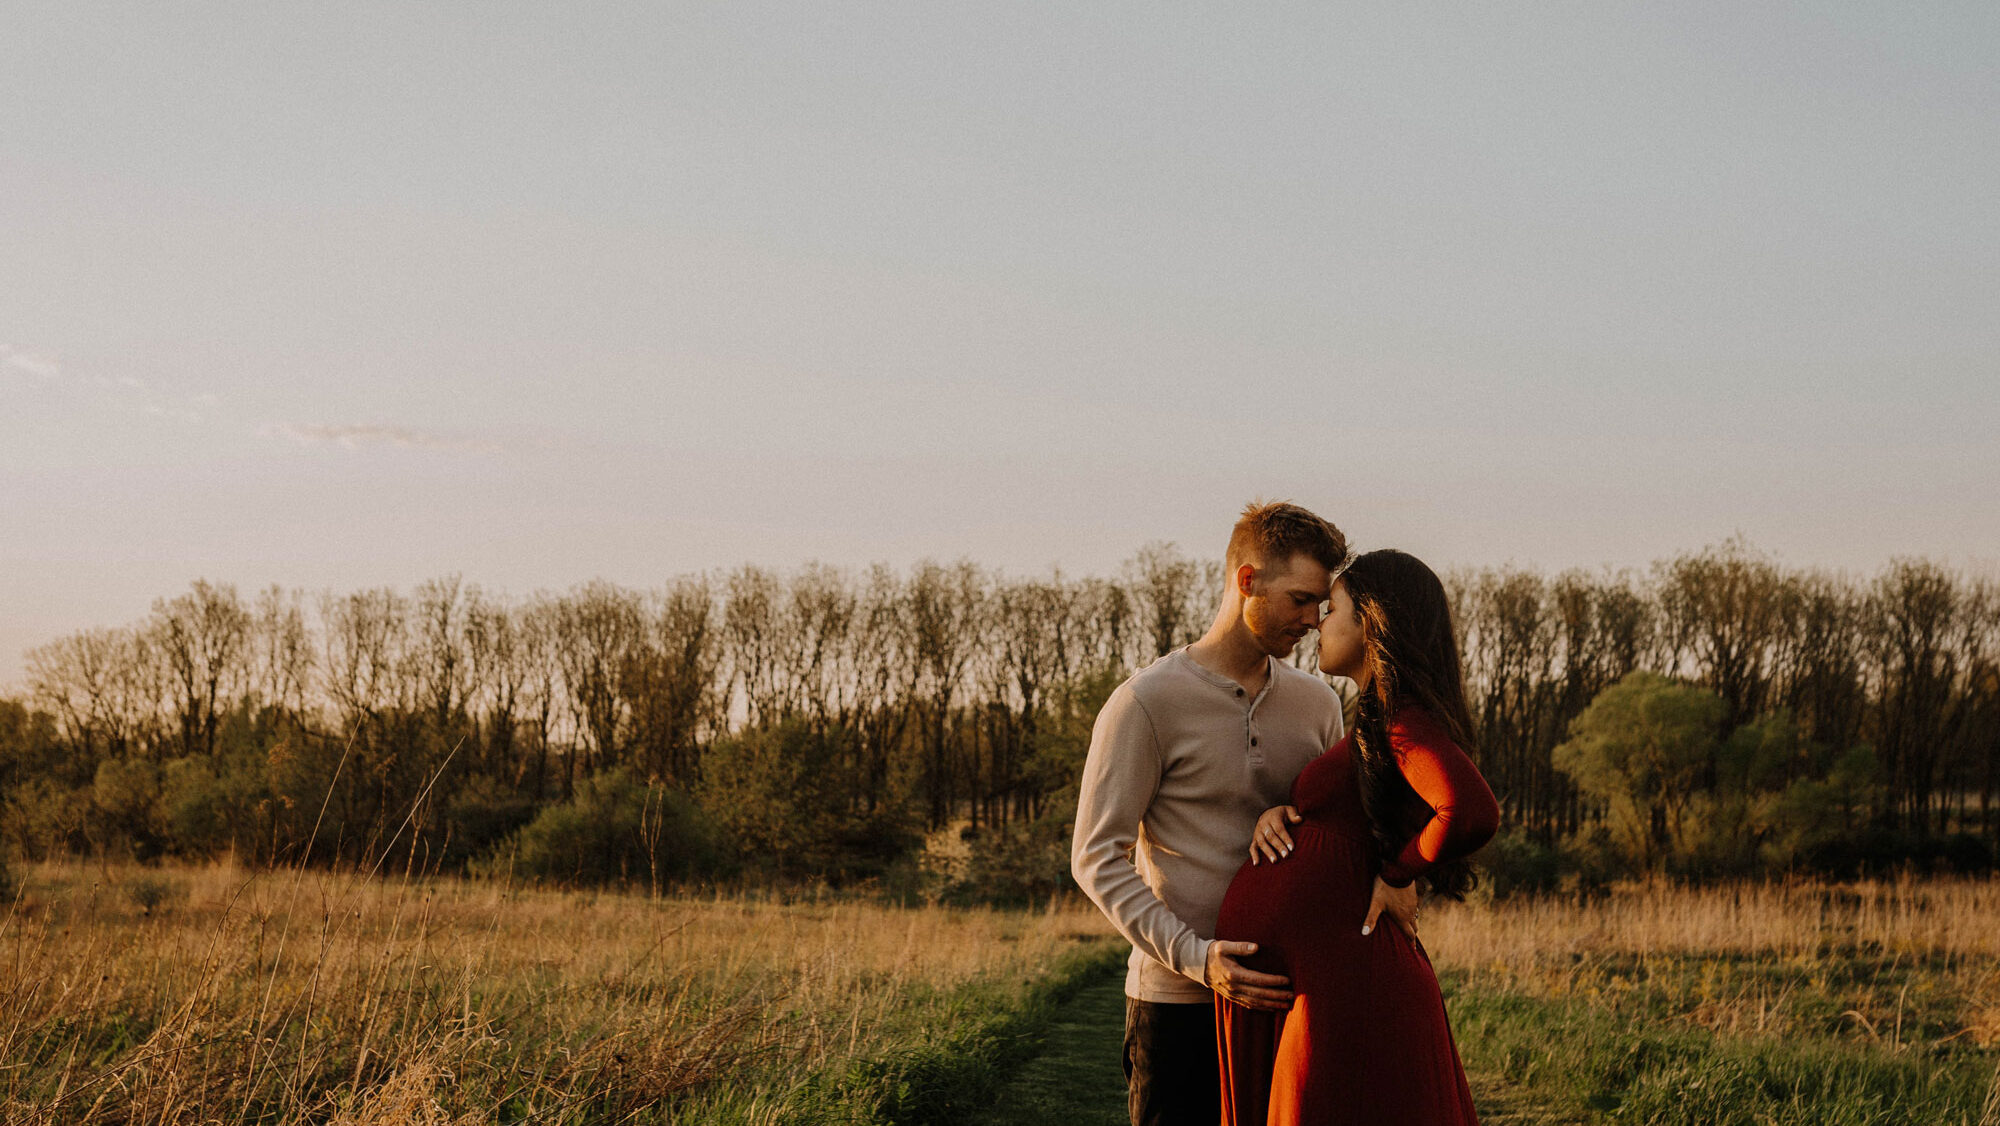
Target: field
x,y
179,996
1869,1003
217,994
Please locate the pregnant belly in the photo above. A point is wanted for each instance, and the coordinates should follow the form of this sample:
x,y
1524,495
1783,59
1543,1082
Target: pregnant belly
x,y
1323,882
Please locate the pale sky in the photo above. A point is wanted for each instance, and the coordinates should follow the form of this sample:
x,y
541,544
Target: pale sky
x,y
351,294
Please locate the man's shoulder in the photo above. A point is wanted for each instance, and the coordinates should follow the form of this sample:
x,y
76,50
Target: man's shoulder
x,y
1162,668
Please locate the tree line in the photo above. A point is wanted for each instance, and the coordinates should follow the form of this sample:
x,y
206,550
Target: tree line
x,y
821,723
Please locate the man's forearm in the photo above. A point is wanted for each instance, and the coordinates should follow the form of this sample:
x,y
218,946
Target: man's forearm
x,y
1137,913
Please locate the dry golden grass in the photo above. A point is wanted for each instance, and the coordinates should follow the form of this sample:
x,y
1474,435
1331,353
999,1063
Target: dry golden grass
x,y
220,994
1900,962
1953,917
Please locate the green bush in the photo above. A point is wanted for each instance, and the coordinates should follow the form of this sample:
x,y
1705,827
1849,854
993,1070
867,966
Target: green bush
x,y
47,818
215,806
1018,863
777,799
150,893
614,829
1514,863
481,815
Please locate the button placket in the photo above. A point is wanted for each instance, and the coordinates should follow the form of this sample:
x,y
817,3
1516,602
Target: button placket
x,y
1251,749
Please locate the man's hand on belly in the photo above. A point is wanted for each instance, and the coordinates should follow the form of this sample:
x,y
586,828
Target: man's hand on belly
x,y
1242,985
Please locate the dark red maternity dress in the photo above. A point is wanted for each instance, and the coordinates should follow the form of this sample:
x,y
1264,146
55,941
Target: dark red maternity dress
x,y
1365,1042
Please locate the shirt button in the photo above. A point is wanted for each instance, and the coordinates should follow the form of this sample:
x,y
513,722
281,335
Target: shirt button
x,y
1253,740
1239,692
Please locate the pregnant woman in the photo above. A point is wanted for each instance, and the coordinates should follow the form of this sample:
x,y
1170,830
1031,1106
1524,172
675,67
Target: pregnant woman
x,y
1365,1041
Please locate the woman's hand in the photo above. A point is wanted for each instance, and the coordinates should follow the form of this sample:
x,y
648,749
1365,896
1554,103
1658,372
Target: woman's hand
x,y
1400,903
1270,835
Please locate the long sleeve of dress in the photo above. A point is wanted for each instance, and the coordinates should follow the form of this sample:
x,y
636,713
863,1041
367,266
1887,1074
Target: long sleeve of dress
x,y
1464,815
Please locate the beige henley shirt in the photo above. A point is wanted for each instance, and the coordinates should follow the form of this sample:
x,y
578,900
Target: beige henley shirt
x,y
1182,760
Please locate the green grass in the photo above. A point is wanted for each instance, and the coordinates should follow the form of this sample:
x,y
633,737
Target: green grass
x,y
1629,1045
1078,1079
1834,1040
947,1059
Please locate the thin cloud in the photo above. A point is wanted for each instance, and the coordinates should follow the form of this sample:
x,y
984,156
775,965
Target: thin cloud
x,y
354,437
125,392
37,364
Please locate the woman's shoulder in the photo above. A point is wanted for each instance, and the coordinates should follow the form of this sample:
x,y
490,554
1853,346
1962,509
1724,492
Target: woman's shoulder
x,y
1414,723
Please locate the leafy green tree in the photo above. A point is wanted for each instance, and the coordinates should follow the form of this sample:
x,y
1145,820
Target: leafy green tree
x,y
1645,748
1818,819
1736,819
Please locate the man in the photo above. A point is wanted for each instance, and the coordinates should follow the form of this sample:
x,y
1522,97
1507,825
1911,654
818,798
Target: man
x,y
1184,757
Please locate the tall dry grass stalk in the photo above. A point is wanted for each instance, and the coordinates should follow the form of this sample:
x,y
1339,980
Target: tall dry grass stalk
x,y
220,994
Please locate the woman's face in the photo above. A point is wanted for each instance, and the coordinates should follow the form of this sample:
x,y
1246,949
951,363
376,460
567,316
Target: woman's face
x,y
1341,651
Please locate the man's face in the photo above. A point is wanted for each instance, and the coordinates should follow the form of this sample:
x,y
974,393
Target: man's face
x,y
1283,603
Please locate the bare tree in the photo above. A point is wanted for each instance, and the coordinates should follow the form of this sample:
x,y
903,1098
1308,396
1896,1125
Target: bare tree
x,y
439,647
103,687
673,685
947,621
499,668
886,677
541,686
753,638
1819,659
1032,622
202,638
1509,630
599,627
1911,613
281,650
362,648
819,627
1721,609
1170,592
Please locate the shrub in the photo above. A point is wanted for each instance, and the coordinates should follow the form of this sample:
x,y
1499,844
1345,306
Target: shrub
x,y
47,818
614,828
1960,854
1017,863
1515,863
776,797
482,814
150,892
126,797
214,806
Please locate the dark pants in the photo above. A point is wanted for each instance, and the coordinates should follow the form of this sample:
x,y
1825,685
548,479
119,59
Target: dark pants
x,y
1170,1073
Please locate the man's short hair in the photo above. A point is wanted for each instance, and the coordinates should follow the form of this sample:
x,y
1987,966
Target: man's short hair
x,y
1270,533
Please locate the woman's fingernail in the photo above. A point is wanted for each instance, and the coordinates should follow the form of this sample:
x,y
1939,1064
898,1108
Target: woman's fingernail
x,y
1365,930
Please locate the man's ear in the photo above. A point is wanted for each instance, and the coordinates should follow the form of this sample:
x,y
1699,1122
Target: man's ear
x,y
1246,578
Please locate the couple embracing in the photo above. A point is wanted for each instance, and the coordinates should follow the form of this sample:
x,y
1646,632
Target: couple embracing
x,y
1260,844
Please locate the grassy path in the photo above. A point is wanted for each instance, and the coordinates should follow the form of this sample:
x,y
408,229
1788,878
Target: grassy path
x,y
1078,1078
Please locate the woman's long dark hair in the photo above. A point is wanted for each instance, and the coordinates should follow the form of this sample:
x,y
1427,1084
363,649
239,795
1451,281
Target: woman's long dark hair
x,y
1411,653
